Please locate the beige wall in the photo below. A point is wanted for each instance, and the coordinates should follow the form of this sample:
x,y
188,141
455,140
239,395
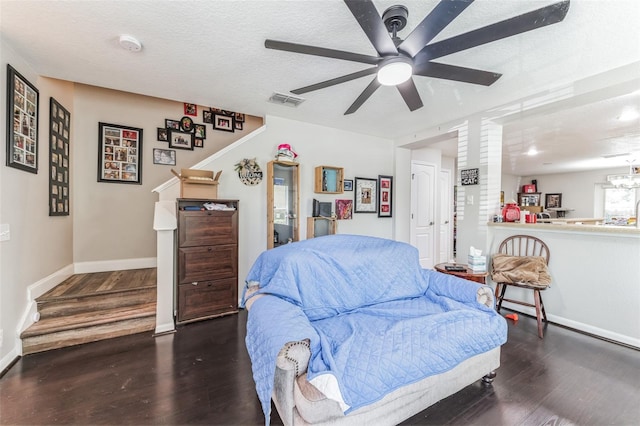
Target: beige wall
x,y
115,220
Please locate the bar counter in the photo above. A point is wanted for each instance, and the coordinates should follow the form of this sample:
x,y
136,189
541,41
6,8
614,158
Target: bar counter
x,y
595,271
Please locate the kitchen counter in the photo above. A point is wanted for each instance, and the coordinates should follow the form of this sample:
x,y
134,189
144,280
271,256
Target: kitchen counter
x,y
595,273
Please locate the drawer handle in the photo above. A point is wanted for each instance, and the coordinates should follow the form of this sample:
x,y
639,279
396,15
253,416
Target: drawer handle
x,y
194,283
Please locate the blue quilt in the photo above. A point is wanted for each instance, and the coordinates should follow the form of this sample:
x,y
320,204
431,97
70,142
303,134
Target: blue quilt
x,y
376,320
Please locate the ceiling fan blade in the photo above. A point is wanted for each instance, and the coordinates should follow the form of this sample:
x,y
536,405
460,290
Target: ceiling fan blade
x,y
432,24
335,81
453,72
366,94
321,51
367,16
526,22
410,94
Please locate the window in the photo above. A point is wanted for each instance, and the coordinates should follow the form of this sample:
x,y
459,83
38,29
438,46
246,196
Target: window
x,y
619,204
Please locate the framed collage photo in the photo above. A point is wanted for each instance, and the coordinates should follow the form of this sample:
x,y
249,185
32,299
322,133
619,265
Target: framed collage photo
x,y
59,128
385,190
22,122
119,154
366,192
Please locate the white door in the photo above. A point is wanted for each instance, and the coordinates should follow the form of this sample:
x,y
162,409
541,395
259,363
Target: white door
x,y
445,219
423,185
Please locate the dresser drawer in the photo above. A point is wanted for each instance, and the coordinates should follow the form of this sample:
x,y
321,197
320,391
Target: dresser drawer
x,y
205,228
207,263
206,299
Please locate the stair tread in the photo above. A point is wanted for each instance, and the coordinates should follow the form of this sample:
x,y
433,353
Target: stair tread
x,y
88,319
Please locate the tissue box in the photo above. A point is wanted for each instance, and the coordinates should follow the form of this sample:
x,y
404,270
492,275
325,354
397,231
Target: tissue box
x,y
477,263
198,183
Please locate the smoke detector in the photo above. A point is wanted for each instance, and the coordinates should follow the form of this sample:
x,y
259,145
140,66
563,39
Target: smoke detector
x,y
130,43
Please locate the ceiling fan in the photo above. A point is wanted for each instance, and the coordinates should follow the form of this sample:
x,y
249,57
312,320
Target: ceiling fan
x,y
399,60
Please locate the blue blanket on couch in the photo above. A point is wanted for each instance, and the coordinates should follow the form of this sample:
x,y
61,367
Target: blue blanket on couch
x,y
376,320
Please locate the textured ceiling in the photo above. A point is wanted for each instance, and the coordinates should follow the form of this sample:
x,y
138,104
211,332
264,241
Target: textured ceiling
x,y
212,53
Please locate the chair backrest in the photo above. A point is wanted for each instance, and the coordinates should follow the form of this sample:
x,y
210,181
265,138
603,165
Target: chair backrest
x,y
524,245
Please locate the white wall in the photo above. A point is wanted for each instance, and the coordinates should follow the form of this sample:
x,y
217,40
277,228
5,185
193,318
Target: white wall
x,y
40,245
578,189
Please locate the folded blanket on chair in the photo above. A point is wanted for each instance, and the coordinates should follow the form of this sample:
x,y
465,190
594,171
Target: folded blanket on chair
x,y
530,270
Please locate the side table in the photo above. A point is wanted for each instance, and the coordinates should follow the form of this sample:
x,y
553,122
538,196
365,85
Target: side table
x,y
468,274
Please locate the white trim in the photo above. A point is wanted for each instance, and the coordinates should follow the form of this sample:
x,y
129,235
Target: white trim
x,y
165,328
201,165
114,265
586,328
10,357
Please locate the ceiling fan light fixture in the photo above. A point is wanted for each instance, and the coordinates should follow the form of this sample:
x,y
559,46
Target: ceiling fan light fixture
x,y
395,70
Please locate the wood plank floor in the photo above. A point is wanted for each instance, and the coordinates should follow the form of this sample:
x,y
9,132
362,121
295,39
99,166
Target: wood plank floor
x,y
202,375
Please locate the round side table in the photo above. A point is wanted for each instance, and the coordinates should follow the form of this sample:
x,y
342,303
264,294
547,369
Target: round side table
x,y
467,274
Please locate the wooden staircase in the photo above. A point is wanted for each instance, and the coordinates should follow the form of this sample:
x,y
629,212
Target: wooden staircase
x,y
90,307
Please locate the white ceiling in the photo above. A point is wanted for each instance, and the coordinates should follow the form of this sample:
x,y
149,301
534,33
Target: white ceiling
x,y
212,53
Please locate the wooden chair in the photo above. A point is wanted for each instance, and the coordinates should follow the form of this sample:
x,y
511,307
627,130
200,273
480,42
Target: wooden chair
x,y
524,245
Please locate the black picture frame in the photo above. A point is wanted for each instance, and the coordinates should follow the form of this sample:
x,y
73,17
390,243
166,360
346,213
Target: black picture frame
x,y
239,117
198,143
224,122
200,131
181,140
119,154
365,196
23,100
553,201
163,134
385,196
238,125
469,177
186,124
348,184
207,116
172,124
59,137
166,157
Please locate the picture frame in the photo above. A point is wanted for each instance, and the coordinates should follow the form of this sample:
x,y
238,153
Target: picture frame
x,y
200,131
119,154
59,131
348,184
190,109
238,125
181,140
198,143
385,196
186,124
166,157
172,124
470,177
163,134
239,117
207,116
553,201
23,100
344,209
223,122
365,196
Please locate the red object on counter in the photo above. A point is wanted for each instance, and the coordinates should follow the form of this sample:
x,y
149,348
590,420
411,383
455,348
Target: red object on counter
x,y
528,188
531,218
511,212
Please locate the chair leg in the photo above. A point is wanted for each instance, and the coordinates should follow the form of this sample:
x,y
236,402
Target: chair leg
x,y
503,289
536,296
544,314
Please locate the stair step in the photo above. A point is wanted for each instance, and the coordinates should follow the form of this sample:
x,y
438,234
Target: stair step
x,y
57,307
62,339
88,319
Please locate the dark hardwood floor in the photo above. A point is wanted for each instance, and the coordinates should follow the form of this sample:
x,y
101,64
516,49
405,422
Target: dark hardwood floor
x,y
202,375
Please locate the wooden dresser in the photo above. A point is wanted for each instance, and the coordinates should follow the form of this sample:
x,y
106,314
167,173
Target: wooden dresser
x,y
207,260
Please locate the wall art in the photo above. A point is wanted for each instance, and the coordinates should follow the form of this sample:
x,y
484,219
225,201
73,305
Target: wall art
x,y
59,136
249,172
190,109
163,134
22,122
207,116
165,157
366,192
119,154
181,140
385,192
469,176
344,209
223,122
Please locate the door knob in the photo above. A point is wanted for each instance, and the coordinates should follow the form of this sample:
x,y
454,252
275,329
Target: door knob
x,y
430,223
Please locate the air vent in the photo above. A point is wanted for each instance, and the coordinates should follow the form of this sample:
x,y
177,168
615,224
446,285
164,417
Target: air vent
x,y
288,100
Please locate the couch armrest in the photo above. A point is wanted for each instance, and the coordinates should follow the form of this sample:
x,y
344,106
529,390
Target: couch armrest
x,y
292,361
461,290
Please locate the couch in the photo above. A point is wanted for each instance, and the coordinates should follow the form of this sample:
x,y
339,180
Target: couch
x,y
347,329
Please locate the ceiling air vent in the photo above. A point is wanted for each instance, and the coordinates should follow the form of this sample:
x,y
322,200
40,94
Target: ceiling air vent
x,y
288,100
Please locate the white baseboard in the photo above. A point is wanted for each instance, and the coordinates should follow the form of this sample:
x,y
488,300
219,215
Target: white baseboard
x,y
8,359
114,265
585,328
165,328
